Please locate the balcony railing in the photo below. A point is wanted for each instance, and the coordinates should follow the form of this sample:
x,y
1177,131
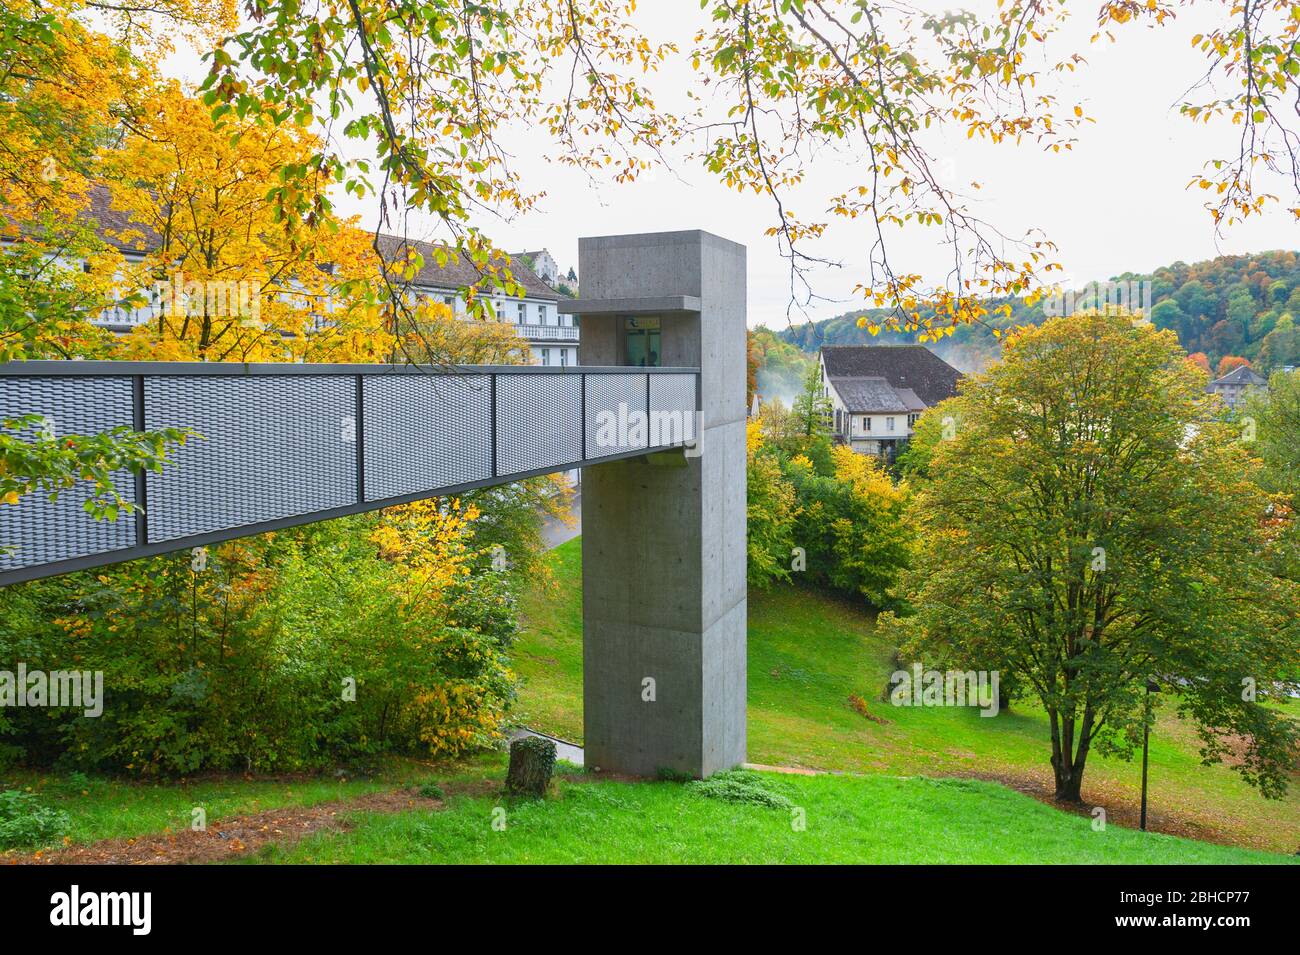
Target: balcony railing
x,y
549,333
278,445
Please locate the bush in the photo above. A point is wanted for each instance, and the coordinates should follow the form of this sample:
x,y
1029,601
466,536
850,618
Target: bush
x,y
739,786
26,824
301,650
854,526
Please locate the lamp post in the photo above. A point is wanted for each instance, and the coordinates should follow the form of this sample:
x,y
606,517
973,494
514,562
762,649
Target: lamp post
x,y
1152,687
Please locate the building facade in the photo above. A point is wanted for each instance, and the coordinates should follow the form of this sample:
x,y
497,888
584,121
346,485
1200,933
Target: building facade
x,y
877,393
551,335
1237,384
542,263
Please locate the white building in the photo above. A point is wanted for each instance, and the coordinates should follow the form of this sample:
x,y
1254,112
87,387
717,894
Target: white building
x,y
552,337
877,392
535,316
542,263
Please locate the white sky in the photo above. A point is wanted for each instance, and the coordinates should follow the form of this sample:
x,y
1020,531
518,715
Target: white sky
x,y
1117,202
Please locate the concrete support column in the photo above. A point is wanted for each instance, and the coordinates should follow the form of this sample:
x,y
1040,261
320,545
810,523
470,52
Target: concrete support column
x,y
663,544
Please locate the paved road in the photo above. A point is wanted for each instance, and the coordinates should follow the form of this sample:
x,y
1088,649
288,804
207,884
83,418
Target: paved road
x,y
563,750
556,532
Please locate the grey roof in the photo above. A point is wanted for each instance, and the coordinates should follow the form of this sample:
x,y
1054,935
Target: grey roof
x,y
112,224
909,398
913,368
861,395
459,272
1241,375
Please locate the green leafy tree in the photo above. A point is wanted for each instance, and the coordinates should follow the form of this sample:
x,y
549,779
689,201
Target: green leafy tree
x,y
852,525
770,510
812,409
35,458
1088,527
1275,416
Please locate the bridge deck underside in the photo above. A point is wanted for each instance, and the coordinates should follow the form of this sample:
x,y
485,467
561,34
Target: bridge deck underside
x,y
275,446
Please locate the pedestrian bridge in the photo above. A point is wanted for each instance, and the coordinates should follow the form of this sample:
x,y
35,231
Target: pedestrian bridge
x,y
276,445
664,603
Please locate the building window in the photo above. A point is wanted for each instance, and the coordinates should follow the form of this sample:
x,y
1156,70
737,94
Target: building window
x,y
564,357
642,345
866,423
889,424
523,313
546,356
541,314
911,420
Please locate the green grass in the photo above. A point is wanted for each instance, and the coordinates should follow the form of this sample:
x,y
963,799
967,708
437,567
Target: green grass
x,y
809,652
548,656
863,819
807,655
112,808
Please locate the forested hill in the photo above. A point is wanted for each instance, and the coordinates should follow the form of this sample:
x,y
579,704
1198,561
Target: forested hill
x,y
1244,306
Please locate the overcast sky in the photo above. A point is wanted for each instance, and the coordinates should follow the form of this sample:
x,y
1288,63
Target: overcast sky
x,y
1117,202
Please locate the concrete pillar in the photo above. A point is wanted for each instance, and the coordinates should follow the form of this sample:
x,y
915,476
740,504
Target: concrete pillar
x,y
663,542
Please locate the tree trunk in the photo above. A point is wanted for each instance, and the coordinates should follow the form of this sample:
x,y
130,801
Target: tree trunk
x,y
1068,764
1069,784
531,761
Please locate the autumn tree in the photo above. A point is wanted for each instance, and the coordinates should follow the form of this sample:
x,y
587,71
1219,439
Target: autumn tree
x,y
1230,363
782,91
852,524
224,278
812,409
770,510
1089,527
67,87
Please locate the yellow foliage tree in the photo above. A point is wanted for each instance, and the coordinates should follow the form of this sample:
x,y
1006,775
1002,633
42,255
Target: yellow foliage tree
x,y
227,280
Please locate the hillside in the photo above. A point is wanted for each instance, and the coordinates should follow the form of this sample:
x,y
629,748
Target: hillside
x,y
1238,305
809,654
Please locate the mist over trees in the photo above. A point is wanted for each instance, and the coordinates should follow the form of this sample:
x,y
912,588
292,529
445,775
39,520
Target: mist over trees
x,y
1235,306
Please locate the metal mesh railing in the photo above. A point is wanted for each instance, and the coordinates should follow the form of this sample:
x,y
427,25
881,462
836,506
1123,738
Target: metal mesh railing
x,y
278,445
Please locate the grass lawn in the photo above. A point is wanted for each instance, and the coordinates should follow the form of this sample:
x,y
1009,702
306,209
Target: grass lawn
x,y
809,653
862,819
111,809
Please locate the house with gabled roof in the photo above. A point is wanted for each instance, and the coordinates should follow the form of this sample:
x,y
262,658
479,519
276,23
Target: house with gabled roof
x,y
877,392
1236,384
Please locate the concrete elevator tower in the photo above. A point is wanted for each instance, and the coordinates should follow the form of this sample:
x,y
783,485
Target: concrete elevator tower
x,y
663,535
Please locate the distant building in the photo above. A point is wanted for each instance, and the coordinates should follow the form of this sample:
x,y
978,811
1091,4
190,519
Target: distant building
x,y
1236,384
878,391
552,337
542,263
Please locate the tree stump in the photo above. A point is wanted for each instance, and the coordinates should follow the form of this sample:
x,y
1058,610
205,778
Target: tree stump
x,y
532,759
